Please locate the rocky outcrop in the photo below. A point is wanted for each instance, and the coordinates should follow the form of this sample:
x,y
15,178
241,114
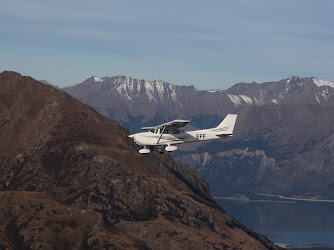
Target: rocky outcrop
x,y
31,220
85,163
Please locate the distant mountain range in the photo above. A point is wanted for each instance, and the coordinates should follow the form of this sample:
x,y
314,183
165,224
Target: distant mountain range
x,y
283,136
136,102
72,179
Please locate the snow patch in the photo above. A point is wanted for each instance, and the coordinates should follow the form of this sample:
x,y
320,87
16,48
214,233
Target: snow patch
x,y
173,95
173,92
261,98
97,79
159,85
235,99
215,91
124,85
157,91
321,82
149,90
324,94
239,100
246,99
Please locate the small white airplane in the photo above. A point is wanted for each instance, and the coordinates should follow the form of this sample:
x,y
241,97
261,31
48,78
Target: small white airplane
x,y
164,136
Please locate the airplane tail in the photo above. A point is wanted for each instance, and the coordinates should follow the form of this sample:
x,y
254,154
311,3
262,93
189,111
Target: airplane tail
x,y
227,125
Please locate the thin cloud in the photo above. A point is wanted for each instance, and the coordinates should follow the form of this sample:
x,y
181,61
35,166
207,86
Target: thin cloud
x,y
41,11
177,39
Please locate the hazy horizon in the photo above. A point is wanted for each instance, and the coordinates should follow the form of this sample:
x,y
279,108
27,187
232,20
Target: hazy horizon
x,y
211,45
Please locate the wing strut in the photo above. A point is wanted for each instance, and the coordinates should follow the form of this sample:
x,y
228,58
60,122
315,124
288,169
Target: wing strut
x,y
161,134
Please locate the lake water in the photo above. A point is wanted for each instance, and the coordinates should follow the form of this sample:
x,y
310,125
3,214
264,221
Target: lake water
x,y
298,223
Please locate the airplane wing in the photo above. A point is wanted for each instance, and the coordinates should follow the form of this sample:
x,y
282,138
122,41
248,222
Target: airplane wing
x,y
173,124
147,128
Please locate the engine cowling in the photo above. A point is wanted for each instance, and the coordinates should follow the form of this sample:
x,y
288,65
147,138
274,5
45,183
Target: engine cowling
x,y
170,148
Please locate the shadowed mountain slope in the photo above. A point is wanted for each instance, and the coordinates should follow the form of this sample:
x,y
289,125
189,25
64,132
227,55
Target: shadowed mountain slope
x,y
277,149
59,156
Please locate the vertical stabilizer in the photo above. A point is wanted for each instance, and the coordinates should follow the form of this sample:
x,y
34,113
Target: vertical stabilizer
x,y
227,125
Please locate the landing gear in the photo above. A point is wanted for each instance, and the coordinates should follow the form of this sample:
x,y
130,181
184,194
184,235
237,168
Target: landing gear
x,y
159,149
145,150
170,148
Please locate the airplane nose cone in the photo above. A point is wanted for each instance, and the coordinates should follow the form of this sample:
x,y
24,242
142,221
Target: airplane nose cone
x,y
134,137
140,139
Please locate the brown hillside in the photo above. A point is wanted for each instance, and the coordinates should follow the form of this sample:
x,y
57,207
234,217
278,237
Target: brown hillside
x,y
53,144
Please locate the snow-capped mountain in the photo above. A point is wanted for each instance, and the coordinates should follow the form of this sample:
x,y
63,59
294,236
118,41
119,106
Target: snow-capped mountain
x,y
132,89
135,102
291,90
124,98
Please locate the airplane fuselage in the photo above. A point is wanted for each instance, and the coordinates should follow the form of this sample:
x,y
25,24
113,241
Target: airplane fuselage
x,y
152,139
164,137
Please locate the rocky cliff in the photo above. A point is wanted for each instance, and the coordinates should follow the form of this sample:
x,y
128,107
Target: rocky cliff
x,y
71,178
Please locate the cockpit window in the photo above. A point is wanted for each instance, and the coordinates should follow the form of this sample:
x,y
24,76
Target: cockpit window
x,y
167,131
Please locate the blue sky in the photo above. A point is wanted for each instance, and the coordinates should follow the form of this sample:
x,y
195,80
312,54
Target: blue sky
x,y
209,44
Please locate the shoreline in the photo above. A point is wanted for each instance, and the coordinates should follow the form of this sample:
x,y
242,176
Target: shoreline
x,y
297,199
284,199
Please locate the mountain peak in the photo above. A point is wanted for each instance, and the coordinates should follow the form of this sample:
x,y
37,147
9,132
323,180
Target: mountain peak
x,y
96,79
292,79
317,81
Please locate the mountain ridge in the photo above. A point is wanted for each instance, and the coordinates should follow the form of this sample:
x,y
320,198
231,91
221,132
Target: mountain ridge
x,y
85,162
170,101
